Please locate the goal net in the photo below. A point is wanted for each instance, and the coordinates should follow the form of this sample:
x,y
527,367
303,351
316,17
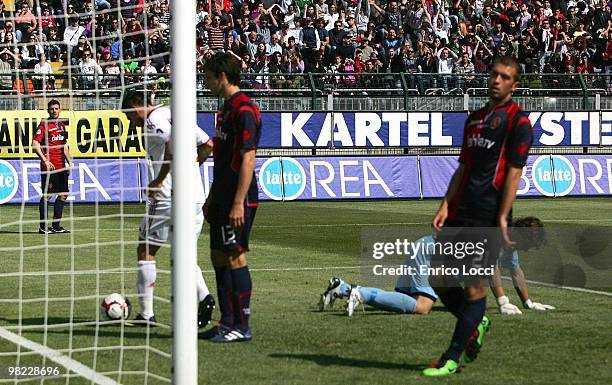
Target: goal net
x,y
85,54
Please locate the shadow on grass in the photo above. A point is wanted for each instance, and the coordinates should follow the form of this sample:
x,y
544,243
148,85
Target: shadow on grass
x,y
336,360
17,232
106,330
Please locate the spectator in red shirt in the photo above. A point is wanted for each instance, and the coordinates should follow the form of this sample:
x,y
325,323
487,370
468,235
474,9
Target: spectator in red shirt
x,y
47,21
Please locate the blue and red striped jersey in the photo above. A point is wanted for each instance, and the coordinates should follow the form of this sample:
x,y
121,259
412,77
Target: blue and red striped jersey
x,y
238,129
52,136
493,139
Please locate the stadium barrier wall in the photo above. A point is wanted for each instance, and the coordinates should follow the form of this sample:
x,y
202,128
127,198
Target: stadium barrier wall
x,y
318,178
109,134
91,180
413,129
102,134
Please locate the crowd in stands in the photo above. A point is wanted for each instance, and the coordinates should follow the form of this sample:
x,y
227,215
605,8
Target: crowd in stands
x,y
96,40
319,36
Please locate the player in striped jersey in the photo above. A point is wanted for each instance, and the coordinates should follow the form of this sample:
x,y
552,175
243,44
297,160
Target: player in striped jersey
x,y
50,143
233,199
477,208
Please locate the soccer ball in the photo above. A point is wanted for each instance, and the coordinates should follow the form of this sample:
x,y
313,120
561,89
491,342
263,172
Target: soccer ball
x,y
116,307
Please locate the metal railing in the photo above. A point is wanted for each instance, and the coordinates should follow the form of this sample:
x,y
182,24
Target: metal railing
x,y
329,91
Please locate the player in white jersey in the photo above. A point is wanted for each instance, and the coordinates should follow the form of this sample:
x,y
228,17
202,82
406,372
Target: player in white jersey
x,y
156,225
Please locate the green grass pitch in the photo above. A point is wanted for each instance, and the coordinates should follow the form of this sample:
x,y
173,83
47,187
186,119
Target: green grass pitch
x,y
296,247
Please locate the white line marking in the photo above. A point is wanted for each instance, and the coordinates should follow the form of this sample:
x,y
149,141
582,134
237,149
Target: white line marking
x,y
554,286
603,220
551,285
323,225
343,225
57,357
80,324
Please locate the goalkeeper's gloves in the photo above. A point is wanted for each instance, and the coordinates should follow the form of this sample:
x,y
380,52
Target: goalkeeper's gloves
x,y
505,307
537,306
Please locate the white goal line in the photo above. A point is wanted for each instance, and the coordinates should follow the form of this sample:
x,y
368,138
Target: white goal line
x,y
93,349
57,357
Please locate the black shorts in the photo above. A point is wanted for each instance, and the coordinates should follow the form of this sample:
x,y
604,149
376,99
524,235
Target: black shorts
x,y
54,182
223,236
474,245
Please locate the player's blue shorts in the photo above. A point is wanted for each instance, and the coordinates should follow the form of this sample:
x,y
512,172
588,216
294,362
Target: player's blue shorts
x,y
223,236
417,284
509,259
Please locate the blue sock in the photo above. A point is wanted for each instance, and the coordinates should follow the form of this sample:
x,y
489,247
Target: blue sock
x,y
454,300
242,286
58,210
388,300
224,295
345,289
42,213
471,315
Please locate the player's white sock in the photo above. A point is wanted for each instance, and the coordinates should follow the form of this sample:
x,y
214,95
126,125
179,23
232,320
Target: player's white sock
x,y
147,273
201,284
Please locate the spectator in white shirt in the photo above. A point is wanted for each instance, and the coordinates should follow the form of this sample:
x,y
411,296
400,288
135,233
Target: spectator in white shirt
x,y
73,32
200,13
295,31
44,74
446,60
89,66
148,68
331,17
274,45
362,16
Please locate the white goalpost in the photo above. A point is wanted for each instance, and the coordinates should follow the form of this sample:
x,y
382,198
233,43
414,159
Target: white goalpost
x,y
184,253
52,330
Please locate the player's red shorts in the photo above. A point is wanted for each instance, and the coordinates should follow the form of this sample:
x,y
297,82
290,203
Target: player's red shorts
x,y
223,236
54,182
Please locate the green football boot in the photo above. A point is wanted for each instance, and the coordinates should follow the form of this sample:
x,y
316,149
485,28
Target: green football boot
x,y
441,368
475,343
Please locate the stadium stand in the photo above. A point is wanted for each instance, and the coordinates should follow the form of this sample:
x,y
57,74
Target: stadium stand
x,y
389,49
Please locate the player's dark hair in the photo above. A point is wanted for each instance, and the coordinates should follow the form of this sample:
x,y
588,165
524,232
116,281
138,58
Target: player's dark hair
x,y
529,233
528,222
227,64
53,102
133,99
510,61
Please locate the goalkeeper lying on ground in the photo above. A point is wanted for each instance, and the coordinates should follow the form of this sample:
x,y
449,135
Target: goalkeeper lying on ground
x,y
414,295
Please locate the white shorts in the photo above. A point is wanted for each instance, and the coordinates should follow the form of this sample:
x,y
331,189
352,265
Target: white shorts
x,y
156,225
